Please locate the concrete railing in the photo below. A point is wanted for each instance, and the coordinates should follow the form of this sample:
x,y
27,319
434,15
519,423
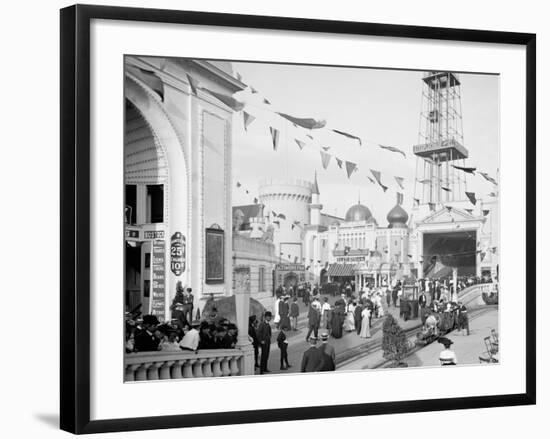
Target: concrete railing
x,y
148,366
473,295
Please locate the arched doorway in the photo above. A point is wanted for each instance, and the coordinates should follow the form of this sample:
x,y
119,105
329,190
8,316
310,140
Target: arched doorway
x,y
290,280
155,162
145,179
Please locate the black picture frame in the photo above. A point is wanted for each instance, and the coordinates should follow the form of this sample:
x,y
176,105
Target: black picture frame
x,y
215,256
75,216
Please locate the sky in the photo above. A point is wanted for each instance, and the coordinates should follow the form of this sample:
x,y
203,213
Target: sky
x,y
380,106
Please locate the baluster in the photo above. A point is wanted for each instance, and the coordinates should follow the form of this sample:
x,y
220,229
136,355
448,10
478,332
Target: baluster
x,y
188,368
153,372
164,373
207,368
197,368
176,369
225,366
233,366
216,369
130,372
141,373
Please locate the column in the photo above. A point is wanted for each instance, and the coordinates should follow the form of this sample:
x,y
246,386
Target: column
x,y
242,307
478,256
455,284
420,254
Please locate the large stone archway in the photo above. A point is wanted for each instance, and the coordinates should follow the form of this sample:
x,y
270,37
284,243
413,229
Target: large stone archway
x,y
177,196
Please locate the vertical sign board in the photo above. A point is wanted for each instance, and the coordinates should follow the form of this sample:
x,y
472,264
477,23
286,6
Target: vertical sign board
x,y
177,253
159,280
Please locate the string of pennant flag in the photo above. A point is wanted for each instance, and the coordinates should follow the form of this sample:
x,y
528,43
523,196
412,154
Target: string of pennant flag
x,y
309,124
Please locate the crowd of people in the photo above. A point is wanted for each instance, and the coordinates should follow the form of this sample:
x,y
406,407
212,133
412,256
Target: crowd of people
x,y
146,333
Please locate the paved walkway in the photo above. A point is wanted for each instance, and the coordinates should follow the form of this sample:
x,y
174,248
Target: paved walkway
x,y
297,343
468,348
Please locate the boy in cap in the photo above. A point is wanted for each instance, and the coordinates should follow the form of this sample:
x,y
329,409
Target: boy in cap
x,y
282,342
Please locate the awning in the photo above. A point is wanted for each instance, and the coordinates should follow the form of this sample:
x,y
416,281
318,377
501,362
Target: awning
x,y
341,269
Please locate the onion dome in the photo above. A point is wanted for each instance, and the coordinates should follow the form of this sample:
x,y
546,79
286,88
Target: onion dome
x,y
397,217
358,212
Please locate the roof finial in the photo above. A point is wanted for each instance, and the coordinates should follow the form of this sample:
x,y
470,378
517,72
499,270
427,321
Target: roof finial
x,y
358,196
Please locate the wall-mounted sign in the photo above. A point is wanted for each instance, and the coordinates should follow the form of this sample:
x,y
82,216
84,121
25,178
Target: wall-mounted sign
x,y
158,280
177,253
134,234
290,267
153,234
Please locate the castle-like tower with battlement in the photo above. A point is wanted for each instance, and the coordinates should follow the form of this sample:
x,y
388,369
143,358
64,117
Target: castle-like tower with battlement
x,y
287,204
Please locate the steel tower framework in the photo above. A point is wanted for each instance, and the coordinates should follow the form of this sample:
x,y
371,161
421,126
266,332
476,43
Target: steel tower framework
x,y
440,141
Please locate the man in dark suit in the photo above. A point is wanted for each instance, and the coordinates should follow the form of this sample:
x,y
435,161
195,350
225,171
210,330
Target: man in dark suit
x,y
312,361
264,338
314,319
145,339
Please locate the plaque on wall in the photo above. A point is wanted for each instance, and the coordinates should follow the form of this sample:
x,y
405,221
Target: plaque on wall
x,y
214,256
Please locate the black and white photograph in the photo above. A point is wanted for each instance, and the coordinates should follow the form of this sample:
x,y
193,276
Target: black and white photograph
x,y
297,218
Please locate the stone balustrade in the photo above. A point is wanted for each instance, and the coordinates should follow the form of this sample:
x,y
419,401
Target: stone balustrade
x,y
148,366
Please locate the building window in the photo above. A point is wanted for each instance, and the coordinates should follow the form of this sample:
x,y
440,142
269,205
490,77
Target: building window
x,y
155,203
261,279
130,204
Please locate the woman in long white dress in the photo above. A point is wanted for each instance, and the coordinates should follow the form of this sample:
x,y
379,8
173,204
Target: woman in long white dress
x,y
365,330
349,321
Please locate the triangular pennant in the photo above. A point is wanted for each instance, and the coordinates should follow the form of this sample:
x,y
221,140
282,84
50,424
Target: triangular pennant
x,y
351,136
266,101
325,159
486,212
400,181
472,197
470,211
371,180
350,168
432,206
292,226
377,176
416,202
239,184
300,143
326,148
307,122
445,189
152,81
253,90
193,83
255,200
465,169
248,119
339,162
282,216
310,136
230,101
274,137
493,194
393,149
488,177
